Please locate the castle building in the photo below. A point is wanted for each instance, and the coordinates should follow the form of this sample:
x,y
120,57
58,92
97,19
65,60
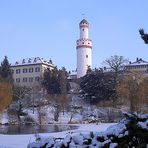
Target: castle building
x,y
139,65
29,72
84,49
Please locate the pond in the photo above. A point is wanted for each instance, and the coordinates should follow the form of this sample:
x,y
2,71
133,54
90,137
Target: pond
x,y
33,129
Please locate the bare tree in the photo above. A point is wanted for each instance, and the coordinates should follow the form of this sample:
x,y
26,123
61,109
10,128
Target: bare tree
x,y
42,115
19,93
60,104
115,63
132,91
73,110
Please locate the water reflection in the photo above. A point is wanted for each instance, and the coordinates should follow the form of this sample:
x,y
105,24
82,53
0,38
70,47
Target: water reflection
x,y
32,129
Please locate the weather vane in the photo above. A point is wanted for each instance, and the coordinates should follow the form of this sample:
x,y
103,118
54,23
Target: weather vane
x,y
83,14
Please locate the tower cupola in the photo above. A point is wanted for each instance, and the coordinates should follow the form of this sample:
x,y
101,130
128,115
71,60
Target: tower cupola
x,y
84,23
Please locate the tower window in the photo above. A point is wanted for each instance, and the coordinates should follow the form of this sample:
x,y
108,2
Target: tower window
x,y
83,29
86,56
82,42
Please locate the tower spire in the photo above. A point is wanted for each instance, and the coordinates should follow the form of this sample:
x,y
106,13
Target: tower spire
x,y
83,15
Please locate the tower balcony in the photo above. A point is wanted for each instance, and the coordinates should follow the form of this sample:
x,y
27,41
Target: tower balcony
x,y
87,43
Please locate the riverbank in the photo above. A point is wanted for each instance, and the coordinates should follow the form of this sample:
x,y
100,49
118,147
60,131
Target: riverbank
x,y
21,141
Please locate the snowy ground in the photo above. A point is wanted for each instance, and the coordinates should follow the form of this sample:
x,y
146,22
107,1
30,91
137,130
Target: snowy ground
x,y
21,141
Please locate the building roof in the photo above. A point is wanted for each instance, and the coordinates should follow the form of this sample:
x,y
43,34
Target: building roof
x,y
84,21
138,62
32,61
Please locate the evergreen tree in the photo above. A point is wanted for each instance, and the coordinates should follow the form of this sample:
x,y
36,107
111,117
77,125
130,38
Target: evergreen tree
x,y
97,86
50,81
5,71
62,78
55,81
54,86
144,36
89,70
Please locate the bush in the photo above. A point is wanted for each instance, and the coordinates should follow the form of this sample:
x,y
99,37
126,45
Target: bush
x,y
131,131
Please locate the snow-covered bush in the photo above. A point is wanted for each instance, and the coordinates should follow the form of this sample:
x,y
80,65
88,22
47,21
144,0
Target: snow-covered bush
x,y
131,131
28,120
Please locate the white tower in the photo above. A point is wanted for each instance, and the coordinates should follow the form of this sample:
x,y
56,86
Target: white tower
x,y
84,50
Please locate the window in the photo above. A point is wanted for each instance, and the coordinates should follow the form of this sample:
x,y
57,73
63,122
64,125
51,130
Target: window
x,y
86,56
24,79
18,71
37,78
17,80
30,69
31,79
25,70
12,70
37,69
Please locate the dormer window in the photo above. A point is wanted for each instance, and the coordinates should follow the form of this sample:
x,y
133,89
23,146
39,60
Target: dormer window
x,y
35,59
23,61
29,61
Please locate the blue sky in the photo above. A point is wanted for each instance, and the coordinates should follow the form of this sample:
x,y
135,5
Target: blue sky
x,y
49,29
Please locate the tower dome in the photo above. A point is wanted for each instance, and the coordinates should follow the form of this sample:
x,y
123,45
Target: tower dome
x,y
84,23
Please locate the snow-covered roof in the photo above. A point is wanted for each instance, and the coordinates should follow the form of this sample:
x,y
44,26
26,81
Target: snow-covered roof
x,y
138,62
35,60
